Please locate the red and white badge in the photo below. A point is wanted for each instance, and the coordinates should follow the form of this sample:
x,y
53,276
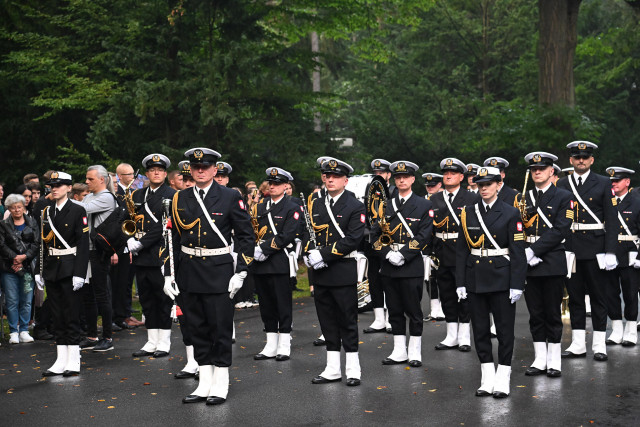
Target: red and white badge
x,y
571,204
302,208
241,203
519,226
362,218
84,220
296,215
613,193
431,213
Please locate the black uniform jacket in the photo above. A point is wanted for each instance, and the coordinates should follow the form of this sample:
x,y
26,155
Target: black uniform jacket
x,y
508,195
597,194
149,256
191,229
629,209
555,205
350,216
418,214
72,225
286,217
492,273
445,250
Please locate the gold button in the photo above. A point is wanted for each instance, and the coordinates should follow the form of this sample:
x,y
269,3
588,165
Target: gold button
x,y
203,258
205,233
58,257
490,262
330,234
190,256
477,261
66,225
204,246
495,235
191,232
590,198
190,244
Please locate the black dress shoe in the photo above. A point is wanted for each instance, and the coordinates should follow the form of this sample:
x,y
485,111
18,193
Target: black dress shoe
x,y
323,380
415,363
494,336
553,373
115,327
159,353
500,394
192,398
532,372
261,356
388,361
49,373
215,400
600,357
441,346
428,318
628,343
570,355
482,393
70,373
352,382
282,357
142,353
184,374
124,325
319,342
464,348
42,334
438,319
374,331
611,342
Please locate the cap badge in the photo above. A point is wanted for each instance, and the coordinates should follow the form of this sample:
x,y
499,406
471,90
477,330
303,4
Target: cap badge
x,y
274,172
54,175
220,165
186,167
333,164
582,146
449,162
469,168
429,177
401,167
483,172
155,158
198,154
537,158
493,162
377,163
612,172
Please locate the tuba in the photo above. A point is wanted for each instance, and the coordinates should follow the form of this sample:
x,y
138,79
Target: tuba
x,y
375,202
129,225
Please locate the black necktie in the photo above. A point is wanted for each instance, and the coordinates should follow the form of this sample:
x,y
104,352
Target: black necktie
x,y
487,209
56,212
540,193
450,198
618,200
201,193
331,203
401,202
579,181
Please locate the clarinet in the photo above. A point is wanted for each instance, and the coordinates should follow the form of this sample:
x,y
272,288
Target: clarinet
x,y
168,239
307,219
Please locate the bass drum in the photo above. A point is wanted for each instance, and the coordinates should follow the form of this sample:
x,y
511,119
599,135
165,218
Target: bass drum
x,y
358,185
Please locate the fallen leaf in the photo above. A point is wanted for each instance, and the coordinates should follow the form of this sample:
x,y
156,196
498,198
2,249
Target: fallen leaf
x,y
521,386
433,390
535,397
146,384
153,394
22,413
110,407
407,368
368,412
100,400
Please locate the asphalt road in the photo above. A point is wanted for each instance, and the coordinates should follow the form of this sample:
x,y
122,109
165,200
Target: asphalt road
x,y
116,389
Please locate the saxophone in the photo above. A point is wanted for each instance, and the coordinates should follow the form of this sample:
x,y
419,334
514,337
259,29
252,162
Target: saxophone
x,y
129,225
257,231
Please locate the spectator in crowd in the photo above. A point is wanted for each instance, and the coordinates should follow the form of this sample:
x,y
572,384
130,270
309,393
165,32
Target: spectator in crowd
x,y
264,189
30,177
21,245
79,191
2,210
26,194
36,191
43,200
175,180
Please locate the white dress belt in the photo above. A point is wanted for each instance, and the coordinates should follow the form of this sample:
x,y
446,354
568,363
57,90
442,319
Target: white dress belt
x,y
60,252
532,239
206,252
627,238
576,226
446,236
489,252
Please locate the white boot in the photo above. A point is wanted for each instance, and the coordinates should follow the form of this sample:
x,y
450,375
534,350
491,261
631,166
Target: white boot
x,y
540,361
204,382
502,382
333,370
399,353
60,363
284,346
630,334
220,383
352,369
617,329
598,346
578,345
152,341
436,309
192,366
554,361
379,319
73,360
488,379
451,340
414,353
164,340
270,349
464,334
587,305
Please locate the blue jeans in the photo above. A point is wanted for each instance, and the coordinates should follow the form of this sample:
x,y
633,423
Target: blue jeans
x,y
18,302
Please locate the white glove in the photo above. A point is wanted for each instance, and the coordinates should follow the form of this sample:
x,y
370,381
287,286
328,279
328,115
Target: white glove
x,y
236,283
534,261
258,255
462,293
39,282
306,261
134,246
169,289
320,265
315,257
395,258
636,263
529,253
78,282
514,295
610,261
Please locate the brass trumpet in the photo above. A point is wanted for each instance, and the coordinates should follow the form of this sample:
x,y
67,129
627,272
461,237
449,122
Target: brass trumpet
x,y
129,225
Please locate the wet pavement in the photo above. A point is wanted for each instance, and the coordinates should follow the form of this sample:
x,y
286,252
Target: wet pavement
x,y
117,389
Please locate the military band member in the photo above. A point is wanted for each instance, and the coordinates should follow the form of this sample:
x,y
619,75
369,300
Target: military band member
x,y
65,234
222,176
278,221
203,220
547,224
185,170
556,174
433,184
491,267
472,169
593,240
403,235
567,171
145,248
338,218
506,193
625,276
447,207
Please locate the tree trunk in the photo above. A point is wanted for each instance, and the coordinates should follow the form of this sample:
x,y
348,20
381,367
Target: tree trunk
x,y
556,50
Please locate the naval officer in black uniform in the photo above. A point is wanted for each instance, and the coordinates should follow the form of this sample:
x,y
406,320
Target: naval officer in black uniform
x,y
278,222
65,234
447,207
506,193
338,219
399,241
594,240
145,248
203,219
547,223
433,185
491,267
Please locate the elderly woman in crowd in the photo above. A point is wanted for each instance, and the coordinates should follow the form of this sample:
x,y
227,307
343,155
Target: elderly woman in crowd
x,y
21,237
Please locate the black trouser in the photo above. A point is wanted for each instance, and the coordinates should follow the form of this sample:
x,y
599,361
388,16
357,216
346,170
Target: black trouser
x,y
454,310
65,305
403,297
432,285
183,320
375,285
156,306
626,278
97,296
504,316
276,304
43,317
543,295
337,308
588,278
211,327
247,290
121,282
